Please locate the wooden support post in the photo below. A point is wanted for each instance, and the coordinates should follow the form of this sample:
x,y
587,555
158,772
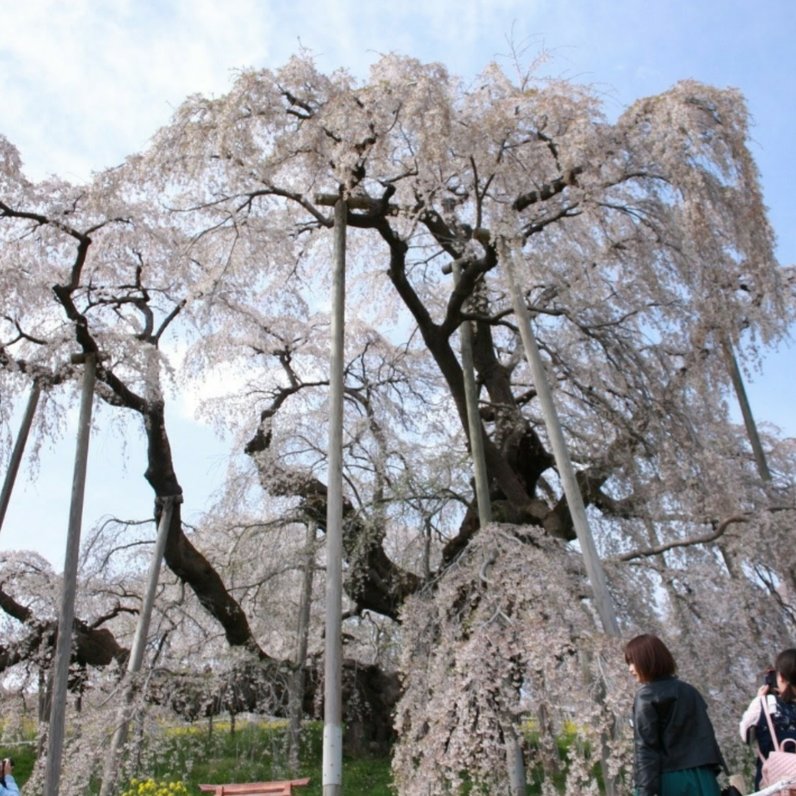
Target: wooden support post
x,y
577,509
139,645
474,429
297,679
594,569
746,409
19,448
63,651
515,765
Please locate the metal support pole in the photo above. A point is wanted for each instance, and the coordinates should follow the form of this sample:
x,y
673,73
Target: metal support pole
x,y
19,447
577,510
333,703
63,649
474,429
139,645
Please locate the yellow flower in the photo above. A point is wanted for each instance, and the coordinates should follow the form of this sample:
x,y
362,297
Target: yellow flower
x,y
150,787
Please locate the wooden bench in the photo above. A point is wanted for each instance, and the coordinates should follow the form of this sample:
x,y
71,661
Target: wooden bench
x,y
282,788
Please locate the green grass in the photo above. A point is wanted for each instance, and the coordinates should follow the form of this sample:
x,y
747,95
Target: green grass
x,y
254,751
200,754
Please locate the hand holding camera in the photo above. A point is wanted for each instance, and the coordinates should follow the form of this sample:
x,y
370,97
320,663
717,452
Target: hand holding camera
x,y
770,681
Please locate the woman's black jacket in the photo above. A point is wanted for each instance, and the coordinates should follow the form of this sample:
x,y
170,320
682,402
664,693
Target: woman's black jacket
x,y
672,732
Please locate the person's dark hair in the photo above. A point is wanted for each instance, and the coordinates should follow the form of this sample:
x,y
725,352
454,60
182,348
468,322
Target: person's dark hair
x,y
786,666
651,657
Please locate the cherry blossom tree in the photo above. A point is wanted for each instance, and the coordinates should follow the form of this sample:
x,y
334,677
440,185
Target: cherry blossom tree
x,y
643,251
645,246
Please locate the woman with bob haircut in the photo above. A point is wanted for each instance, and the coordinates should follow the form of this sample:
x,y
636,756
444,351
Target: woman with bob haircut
x,y
676,752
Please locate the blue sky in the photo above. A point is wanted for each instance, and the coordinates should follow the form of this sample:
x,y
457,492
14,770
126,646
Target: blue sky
x,y
85,83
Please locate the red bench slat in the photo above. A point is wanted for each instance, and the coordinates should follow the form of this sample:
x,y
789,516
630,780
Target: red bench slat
x,y
281,788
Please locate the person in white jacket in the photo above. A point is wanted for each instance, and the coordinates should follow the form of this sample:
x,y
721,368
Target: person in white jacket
x,y
779,691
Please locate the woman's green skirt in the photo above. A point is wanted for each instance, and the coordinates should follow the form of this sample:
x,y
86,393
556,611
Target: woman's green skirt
x,y
690,782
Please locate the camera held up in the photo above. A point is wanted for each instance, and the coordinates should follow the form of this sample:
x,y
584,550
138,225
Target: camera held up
x,y
770,680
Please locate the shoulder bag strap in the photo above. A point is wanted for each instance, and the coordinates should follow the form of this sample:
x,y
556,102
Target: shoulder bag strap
x,y
764,705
